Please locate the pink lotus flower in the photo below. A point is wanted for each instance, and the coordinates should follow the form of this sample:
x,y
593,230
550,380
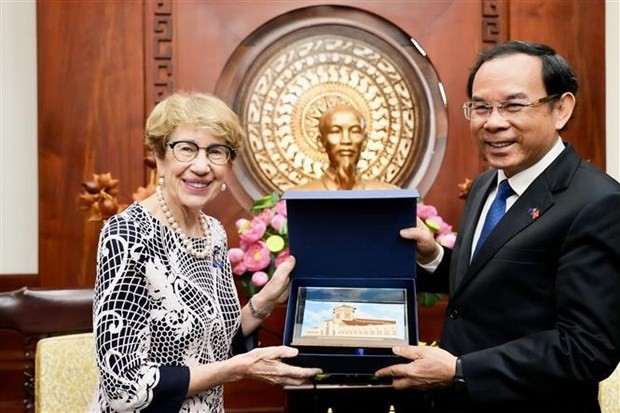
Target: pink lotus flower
x,y
280,208
235,255
257,257
282,256
259,278
263,243
254,231
447,239
239,269
444,236
242,224
278,221
266,215
426,211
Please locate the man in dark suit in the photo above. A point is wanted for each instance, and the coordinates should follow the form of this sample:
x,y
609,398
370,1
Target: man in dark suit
x,y
533,321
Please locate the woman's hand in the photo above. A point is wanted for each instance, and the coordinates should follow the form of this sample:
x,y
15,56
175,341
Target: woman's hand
x,y
266,364
273,293
263,364
276,290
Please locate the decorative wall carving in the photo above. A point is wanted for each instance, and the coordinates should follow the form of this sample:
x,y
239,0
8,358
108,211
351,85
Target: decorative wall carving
x,y
160,75
311,59
492,29
293,86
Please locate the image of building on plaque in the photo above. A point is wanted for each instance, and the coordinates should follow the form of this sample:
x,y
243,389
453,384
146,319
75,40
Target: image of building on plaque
x,y
351,323
346,324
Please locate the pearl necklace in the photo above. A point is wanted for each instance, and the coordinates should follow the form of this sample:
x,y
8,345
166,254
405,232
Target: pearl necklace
x,y
185,240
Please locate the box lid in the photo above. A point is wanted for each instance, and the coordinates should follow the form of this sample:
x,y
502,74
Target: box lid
x,y
351,234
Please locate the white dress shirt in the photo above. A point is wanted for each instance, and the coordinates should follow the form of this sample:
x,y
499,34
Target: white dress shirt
x,y
519,183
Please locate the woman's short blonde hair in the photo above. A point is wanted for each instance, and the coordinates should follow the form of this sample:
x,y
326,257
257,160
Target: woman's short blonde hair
x,y
198,110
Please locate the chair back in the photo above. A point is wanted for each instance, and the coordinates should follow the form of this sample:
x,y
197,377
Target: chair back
x,y
609,393
65,373
40,313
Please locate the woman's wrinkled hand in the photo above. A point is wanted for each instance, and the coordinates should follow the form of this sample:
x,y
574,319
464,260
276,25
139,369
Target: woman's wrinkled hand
x,y
266,364
276,290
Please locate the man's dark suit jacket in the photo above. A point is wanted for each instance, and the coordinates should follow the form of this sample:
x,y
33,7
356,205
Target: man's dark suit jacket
x,y
535,316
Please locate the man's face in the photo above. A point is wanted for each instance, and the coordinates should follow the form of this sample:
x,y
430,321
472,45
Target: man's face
x,y
343,138
515,141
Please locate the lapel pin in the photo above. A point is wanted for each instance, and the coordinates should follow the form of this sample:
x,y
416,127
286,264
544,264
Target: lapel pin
x,y
534,213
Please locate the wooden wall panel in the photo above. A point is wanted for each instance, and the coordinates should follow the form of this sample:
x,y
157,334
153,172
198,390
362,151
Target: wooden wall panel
x,y
91,75
575,28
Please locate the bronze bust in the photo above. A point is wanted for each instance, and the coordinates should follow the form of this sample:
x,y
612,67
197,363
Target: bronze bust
x,y
342,135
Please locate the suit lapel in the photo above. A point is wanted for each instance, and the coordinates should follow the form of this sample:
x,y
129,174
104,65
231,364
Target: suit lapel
x,y
531,205
475,202
537,197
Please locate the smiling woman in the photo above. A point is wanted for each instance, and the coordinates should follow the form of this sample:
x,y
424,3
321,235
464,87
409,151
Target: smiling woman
x,y
165,299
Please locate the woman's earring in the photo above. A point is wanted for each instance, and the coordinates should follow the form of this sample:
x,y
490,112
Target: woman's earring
x,y
223,187
161,181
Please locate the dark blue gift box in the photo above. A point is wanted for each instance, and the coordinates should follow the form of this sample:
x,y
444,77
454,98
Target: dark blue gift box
x,y
351,258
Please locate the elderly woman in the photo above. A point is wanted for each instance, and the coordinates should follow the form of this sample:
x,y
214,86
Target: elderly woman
x,y
167,318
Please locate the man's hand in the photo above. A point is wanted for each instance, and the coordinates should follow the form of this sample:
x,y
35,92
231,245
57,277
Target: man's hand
x,y
426,247
430,367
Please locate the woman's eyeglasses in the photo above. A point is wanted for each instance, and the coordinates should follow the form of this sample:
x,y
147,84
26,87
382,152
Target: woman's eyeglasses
x,y
218,153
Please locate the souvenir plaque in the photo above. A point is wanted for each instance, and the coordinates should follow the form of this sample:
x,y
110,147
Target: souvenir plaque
x,y
353,286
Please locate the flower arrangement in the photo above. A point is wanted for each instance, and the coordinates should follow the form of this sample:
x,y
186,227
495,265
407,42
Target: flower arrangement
x,y
441,230
263,243
444,235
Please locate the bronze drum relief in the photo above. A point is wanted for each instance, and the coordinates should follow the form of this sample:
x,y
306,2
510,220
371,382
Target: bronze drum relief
x,y
280,81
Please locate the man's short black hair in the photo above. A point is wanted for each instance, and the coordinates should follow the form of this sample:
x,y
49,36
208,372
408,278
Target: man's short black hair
x,y
558,75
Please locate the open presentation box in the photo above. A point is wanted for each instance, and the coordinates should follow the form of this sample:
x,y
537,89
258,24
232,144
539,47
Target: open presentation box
x,y
353,292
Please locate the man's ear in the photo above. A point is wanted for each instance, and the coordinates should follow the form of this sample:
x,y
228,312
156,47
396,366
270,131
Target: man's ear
x,y
564,109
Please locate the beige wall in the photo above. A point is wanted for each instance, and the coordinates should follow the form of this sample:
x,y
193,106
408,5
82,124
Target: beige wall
x,y
18,138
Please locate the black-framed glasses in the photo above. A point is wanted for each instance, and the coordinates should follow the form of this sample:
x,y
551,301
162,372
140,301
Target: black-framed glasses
x,y
508,110
218,153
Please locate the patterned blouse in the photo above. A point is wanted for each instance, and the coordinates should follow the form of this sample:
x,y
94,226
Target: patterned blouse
x,y
158,310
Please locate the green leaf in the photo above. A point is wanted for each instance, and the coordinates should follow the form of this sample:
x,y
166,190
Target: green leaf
x,y
284,230
249,288
268,201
